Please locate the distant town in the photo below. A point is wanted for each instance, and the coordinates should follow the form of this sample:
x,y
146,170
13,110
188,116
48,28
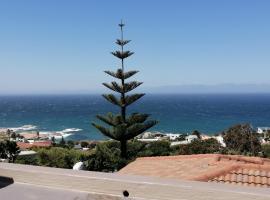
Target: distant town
x,y
26,140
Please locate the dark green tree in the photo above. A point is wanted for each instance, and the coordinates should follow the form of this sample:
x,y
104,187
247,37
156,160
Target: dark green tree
x,y
200,147
197,133
12,150
13,135
123,127
62,142
242,139
84,144
53,140
8,132
3,154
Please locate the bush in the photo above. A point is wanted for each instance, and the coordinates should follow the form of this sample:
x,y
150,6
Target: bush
x,y
59,157
27,160
70,144
158,148
266,150
241,138
9,150
106,158
200,147
84,144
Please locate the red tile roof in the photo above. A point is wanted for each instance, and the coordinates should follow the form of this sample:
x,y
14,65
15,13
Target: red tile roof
x,y
240,170
23,145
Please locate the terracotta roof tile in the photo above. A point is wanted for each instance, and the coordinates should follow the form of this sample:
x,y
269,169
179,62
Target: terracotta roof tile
x,y
237,170
24,145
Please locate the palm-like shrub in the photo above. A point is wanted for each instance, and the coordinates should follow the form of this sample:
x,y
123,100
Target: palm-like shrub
x,y
123,127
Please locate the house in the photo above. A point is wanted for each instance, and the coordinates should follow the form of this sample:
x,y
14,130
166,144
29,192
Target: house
x,y
173,136
151,135
190,138
77,146
34,136
25,146
262,130
220,139
217,168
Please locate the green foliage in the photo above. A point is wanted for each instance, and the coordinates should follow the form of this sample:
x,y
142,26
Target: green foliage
x,y
120,74
199,147
105,158
107,155
266,150
197,133
123,127
241,138
59,157
13,135
84,144
181,137
158,148
267,135
9,150
12,150
70,143
53,140
3,153
62,142
27,160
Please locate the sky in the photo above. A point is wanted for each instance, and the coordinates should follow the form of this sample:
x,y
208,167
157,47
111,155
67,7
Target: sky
x,y
63,46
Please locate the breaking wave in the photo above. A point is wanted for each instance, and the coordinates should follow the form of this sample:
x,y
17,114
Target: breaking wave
x,y
24,128
57,134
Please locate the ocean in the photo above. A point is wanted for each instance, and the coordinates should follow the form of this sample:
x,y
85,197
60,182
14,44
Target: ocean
x,y
208,113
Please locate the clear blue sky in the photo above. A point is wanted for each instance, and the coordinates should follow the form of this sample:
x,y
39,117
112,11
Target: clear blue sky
x,y
63,46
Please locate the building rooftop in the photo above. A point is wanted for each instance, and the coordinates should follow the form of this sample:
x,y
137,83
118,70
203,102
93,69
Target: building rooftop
x,y
237,170
26,182
24,145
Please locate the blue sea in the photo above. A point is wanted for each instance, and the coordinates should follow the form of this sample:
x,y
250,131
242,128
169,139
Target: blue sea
x,y
210,114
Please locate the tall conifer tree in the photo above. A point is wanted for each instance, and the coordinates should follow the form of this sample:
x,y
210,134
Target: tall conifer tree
x,y
123,127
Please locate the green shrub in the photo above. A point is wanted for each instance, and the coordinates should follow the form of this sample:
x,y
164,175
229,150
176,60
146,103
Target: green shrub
x,y
106,158
27,160
84,144
200,147
59,157
266,150
158,148
9,150
241,138
70,143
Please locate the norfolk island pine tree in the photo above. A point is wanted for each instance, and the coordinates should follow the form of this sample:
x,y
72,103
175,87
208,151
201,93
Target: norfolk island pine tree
x,y
123,127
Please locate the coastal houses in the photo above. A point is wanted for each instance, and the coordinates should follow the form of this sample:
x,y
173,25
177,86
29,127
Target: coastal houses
x,y
263,130
25,146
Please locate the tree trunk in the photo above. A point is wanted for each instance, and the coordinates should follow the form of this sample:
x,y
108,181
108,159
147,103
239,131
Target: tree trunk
x,y
124,149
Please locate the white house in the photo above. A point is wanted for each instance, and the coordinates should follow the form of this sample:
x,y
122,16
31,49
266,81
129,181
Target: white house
x,y
262,130
190,138
172,136
220,140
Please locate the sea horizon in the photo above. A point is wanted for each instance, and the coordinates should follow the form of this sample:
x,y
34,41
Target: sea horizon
x,y
177,113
